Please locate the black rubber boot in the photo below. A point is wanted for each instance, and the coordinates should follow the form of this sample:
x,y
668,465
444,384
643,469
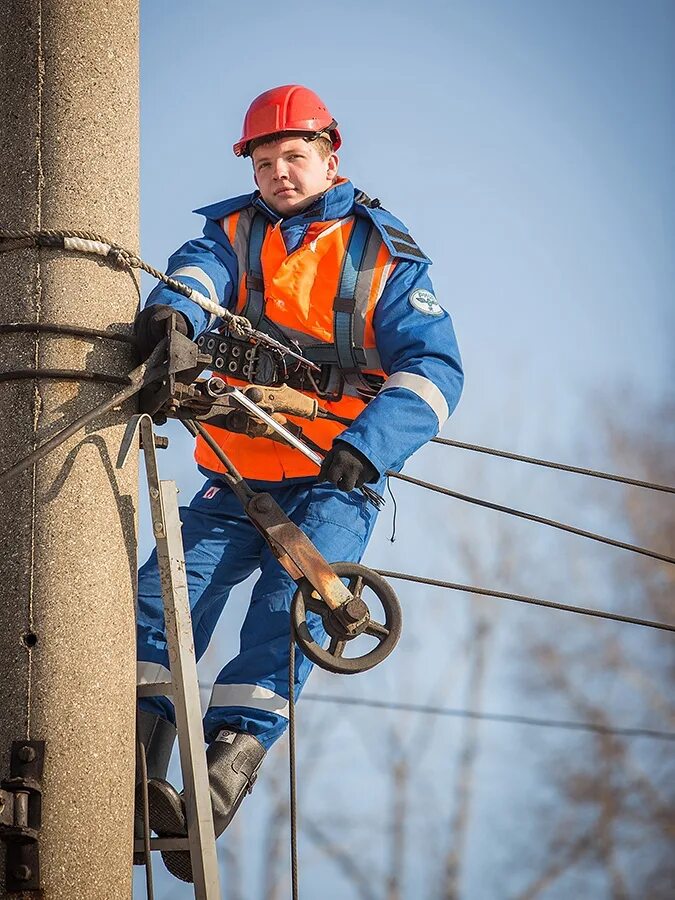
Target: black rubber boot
x,y
233,761
157,736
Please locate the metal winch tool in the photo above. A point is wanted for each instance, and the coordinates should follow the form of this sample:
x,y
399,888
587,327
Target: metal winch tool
x,y
333,592
169,386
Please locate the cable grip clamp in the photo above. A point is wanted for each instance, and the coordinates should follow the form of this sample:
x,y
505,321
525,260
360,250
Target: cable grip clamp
x,y
21,816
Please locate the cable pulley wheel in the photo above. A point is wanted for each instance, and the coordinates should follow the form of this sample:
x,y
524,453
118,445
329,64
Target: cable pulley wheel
x,y
358,578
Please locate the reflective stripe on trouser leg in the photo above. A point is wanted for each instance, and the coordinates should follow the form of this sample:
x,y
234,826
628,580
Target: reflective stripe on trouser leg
x,y
339,525
152,673
222,548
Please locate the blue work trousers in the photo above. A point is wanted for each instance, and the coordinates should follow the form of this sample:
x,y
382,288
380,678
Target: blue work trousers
x,y
222,548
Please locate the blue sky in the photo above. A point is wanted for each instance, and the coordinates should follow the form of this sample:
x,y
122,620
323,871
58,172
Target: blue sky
x,y
527,146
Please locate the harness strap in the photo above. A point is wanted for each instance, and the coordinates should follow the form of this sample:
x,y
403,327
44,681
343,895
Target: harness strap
x,y
350,306
255,289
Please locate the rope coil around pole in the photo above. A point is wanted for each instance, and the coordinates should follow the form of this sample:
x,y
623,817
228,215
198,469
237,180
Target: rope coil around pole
x,y
90,242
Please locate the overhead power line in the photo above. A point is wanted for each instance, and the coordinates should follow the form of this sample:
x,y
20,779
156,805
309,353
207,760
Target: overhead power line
x,y
531,517
534,461
425,709
535,601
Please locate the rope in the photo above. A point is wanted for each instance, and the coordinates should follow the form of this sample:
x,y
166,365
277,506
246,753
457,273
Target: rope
x,y
535,601
532,460
291,763
552,523
565,724
90,242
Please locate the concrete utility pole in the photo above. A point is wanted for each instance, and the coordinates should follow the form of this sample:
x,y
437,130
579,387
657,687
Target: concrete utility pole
x,y
69,150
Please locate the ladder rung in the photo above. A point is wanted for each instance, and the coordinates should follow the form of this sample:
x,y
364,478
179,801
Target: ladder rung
x,y
167,843
158,689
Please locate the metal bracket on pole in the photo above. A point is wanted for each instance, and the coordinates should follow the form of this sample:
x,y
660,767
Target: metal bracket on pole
x,y
21,816
183,664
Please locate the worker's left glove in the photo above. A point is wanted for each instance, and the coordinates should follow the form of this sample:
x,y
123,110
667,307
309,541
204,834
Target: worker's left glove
x,y
150,326
347,467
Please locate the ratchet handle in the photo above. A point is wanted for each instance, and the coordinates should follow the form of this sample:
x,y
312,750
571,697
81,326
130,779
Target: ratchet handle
x,y
284,399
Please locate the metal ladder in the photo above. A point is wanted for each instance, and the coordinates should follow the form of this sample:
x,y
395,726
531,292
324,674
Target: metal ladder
x,y
183,687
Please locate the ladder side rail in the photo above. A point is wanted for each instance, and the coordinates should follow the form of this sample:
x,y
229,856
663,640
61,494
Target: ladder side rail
x,y
183,666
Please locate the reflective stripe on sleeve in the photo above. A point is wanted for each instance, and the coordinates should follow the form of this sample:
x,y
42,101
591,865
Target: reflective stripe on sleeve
x,y
204,279
151,673
251,695
426,390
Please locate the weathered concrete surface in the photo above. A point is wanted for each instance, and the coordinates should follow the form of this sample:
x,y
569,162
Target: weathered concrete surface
x,y
69,150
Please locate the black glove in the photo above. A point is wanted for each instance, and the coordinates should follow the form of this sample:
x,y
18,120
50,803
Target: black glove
x,y
347,467
150,327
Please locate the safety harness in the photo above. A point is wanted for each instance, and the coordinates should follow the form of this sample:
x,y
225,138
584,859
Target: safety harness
x,y
345,362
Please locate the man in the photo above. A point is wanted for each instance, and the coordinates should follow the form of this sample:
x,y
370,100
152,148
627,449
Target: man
x,y
308,259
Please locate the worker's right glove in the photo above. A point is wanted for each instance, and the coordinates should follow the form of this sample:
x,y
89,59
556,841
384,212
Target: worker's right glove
x,y
150,326
347,467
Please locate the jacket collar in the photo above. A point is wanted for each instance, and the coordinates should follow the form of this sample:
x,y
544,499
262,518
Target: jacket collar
x,y
335,203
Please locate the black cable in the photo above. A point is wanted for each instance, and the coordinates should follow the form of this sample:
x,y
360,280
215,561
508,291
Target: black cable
x,y
521,598
552,523
142,764
292,764
493,717
393,518
63,375
531,460
137,379
534,461
70,330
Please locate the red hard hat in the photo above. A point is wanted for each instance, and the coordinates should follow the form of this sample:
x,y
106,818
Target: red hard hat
x,y
290,107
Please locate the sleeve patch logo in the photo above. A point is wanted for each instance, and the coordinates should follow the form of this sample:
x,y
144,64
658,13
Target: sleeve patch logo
x,y
425,302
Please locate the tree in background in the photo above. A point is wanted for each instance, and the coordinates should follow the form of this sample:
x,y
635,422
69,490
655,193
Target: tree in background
x,y
613,810
398,805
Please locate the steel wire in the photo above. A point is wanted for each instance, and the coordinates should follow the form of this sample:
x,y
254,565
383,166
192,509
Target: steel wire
x,y
531,517
508,718
523,598
534,461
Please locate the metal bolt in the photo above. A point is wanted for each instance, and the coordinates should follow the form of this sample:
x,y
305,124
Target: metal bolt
x,y
27,754
354,610
263,503
159,528
154,493
23,873
21,808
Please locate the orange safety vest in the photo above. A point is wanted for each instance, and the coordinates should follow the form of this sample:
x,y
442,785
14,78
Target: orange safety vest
x,y
332,281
